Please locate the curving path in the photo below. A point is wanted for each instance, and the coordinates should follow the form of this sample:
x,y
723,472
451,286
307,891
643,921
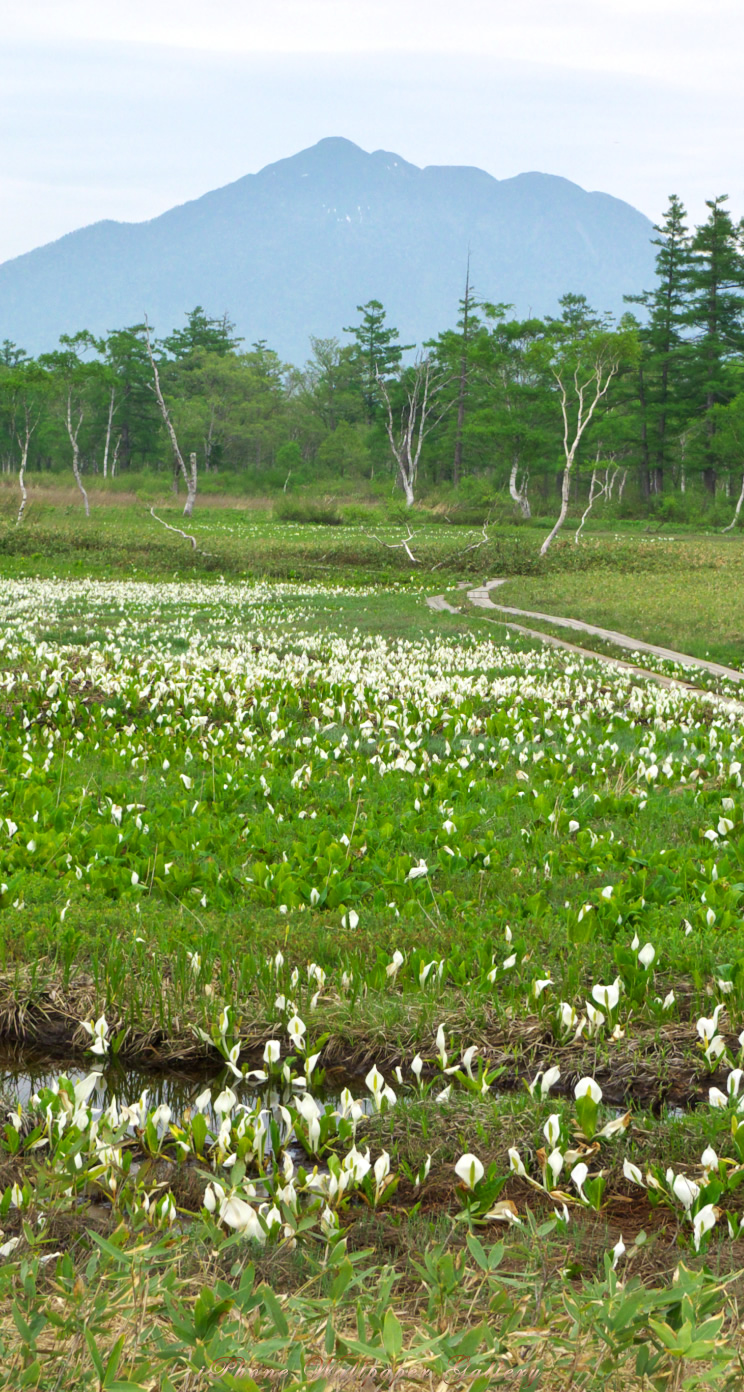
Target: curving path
x,y
438,602
480,597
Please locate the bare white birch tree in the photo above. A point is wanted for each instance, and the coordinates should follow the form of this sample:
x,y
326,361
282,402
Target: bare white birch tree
x,y
115,455
518,488
512,379
109,423
737,509
731,442
583,379
209,438
24,389
612,473
597,488
73,432
421,411
189,475
24,440
474,546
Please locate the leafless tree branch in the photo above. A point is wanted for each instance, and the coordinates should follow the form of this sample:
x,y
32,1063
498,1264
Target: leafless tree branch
x,y
476,545
186,535
73,433
24,440
595,385
396,545
189,475
421,387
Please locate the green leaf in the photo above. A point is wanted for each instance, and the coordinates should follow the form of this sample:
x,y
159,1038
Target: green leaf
x,y
95,1355
330,1337
124,1387
112,1363
24,1329
208,1312
31,1375
366,1350
199,1131
642,1359
477,1250
466,1344
342,1279
361,1324
700,1348
116,1253
667,1335
392,1335
274,1310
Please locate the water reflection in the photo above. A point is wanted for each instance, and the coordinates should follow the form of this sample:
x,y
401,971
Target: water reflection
x,y
24,1074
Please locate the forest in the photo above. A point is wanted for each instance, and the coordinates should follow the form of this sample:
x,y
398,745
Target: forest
x,y
496,413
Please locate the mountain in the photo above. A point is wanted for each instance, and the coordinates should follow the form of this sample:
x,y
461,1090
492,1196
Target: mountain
x,y
291,251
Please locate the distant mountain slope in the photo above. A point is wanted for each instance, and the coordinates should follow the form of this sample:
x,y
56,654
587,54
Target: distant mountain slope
x,y
292,250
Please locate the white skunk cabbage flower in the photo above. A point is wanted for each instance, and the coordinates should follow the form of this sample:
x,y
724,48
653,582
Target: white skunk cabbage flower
x,y
470,1170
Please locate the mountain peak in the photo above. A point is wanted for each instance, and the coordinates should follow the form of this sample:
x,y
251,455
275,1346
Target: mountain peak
x,y
333,152
336,158
292,250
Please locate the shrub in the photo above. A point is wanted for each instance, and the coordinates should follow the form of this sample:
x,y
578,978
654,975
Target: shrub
x,y
319,514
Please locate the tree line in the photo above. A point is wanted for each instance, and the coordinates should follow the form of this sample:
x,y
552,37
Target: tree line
x,y
646,410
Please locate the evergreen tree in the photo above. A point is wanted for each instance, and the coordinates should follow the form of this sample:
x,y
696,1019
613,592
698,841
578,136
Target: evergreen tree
x,y
715,317
10,354
466,324
376,352
139,422
661,376
454,353
202,333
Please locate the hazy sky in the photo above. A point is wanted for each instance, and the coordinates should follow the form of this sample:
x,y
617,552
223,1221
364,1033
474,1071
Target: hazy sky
x,y
122,109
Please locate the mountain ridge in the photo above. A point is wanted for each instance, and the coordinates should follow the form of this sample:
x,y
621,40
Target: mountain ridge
x,y
291,250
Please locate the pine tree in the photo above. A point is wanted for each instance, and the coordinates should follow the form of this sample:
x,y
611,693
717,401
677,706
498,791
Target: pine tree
x,y
201,332
376,351
466,327
456,351
661,379
126,358
715,317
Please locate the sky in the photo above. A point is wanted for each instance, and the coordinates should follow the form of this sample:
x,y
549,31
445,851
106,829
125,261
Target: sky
x,y
123,108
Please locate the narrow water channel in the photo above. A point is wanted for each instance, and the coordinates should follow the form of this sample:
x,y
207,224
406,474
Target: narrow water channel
x,y
25,1073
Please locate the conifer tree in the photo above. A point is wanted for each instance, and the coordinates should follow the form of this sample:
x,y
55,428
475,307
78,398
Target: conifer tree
x,y
456,351
715,319
465,326
201,332
661,378
376,353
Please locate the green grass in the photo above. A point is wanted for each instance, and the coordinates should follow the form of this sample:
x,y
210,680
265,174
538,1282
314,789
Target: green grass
x,y
239,538
697,608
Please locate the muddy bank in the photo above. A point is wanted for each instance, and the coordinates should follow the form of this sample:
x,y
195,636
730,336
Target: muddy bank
x,y
649,1070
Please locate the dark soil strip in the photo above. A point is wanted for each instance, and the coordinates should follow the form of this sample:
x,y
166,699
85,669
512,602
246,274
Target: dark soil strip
x,y
650,1068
